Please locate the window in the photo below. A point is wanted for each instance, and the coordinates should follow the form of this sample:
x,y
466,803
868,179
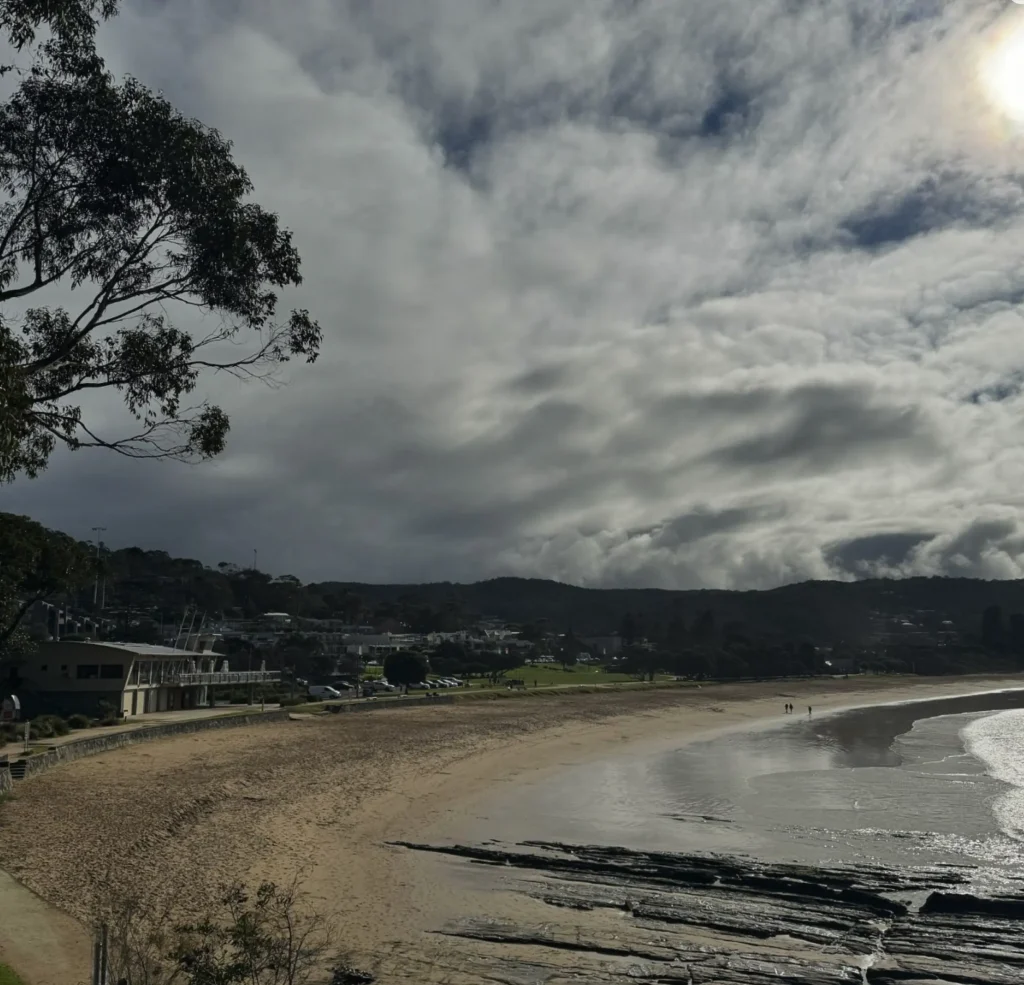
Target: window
x,y
64,671
87,672
44,668
112,672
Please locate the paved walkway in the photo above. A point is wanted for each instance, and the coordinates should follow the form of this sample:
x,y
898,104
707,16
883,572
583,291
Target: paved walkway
x,y
44,945
15,750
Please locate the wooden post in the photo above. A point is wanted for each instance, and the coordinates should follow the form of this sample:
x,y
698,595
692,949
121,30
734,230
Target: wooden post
x,y
99,958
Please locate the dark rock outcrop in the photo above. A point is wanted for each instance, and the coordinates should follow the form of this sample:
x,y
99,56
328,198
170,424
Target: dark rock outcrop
x,y
738,921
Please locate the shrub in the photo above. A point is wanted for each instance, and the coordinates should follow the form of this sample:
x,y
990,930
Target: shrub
x,y
291,702
110,720
40,728
79,721
55,724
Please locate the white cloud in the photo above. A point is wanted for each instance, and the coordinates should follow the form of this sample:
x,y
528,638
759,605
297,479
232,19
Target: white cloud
x,y
748,272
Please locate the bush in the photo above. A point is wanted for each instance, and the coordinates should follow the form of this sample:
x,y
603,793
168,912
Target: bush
x,y
110,720
40,728
79,721
59,725
291,702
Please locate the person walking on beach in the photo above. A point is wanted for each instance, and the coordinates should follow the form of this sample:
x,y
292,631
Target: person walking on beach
x,y
809,709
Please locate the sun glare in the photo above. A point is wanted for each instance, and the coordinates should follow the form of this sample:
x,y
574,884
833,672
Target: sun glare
x,y
1002,74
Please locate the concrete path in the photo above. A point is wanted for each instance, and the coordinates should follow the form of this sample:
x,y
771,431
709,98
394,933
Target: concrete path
x,y
42,944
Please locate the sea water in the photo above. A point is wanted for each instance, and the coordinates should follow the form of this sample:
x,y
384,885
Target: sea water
x,y
997,741
925,783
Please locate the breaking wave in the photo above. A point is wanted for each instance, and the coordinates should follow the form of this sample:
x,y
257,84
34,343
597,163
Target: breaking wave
x,y
998,742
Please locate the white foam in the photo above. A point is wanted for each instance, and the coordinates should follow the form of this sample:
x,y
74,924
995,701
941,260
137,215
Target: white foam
x,y
998,741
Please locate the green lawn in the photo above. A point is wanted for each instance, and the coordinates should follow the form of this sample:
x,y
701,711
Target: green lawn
x,y
552,675
8,977
547,675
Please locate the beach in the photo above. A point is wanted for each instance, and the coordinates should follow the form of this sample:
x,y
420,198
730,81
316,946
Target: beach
x,y
324,798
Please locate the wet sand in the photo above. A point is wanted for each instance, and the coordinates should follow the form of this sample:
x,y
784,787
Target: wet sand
x,y
321,797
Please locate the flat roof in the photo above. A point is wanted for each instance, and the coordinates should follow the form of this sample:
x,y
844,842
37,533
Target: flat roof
x,y
139,649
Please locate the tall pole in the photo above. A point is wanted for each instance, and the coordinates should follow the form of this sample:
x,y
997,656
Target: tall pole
x,y
254,559
96,583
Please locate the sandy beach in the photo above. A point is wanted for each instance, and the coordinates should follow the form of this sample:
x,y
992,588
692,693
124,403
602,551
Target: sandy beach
x,y
322,796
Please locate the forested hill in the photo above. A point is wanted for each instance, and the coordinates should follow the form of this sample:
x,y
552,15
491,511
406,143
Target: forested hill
x,y
157,586
826,611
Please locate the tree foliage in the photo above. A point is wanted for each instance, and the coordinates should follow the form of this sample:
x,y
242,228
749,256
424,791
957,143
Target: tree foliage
x,y
303,654
71,25
405,667
36,564
116,199
268,936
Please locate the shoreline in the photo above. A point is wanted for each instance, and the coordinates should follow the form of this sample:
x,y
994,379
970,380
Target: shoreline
x,y
325,795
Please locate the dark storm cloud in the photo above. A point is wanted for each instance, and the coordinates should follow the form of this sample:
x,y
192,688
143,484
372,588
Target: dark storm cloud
x,y
938,202
703,522
540,380
861,555
829,429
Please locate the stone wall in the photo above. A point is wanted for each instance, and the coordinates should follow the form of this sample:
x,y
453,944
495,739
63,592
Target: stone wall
x,y
96,744
70,751
374,705
80,748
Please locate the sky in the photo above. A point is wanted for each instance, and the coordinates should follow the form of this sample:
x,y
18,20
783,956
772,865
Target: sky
x,y
714,293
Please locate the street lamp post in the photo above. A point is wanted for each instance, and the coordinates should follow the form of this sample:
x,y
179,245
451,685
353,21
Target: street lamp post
x,y
96,583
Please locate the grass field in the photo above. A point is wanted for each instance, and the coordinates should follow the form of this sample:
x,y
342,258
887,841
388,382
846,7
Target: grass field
x,y
8,977
552,675
548,675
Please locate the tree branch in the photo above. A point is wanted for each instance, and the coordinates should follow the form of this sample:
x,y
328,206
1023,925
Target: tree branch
x,y
7,633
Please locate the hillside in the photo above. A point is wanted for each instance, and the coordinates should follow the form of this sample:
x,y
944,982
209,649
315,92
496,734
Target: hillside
x,y
155,587
825,611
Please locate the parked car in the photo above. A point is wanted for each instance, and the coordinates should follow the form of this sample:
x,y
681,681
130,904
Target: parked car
x,y
419,686
342,686
322,692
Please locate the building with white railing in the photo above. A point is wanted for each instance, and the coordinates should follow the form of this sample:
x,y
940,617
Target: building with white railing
x,y
128,678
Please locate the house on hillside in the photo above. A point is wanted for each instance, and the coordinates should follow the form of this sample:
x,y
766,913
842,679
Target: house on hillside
x,y
66,678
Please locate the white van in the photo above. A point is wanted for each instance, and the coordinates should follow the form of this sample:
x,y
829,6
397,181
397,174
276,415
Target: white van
x,y
321,692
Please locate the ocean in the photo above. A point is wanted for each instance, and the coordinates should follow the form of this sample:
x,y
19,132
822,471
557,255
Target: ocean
x,y
882,845
927,783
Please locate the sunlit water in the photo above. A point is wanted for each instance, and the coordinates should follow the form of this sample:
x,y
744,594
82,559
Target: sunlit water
x,y
937,782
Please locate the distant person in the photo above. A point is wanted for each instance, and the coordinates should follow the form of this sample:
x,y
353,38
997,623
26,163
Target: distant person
x,y
809,711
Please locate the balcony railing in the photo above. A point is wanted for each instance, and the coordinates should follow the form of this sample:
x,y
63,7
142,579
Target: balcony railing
x,y
227,677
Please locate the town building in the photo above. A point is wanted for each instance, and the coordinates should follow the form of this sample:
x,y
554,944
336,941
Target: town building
x,y
123,679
